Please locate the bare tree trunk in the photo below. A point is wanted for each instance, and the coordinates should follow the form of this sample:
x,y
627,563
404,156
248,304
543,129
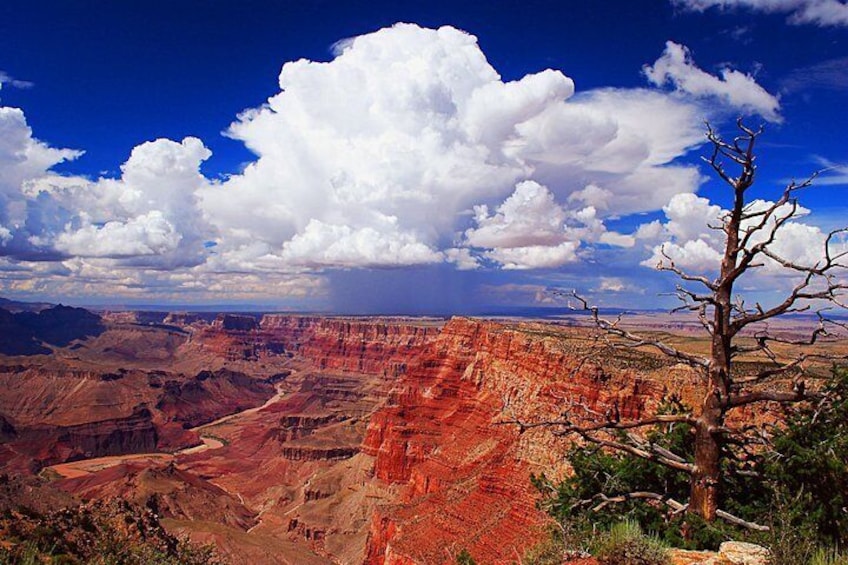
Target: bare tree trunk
x,y
706,478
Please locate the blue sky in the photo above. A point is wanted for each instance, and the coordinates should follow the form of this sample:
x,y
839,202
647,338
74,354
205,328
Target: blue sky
x,y
154,154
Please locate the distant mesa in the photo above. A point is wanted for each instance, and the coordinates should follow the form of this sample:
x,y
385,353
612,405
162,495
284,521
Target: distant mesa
x,y
29,329
15,307
236,322
182,318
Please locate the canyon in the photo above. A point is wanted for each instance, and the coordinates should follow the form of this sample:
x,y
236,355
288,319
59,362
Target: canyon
x,y
309,439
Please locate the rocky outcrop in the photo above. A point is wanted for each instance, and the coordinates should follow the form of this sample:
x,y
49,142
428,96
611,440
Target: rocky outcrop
x,y
182,319
7,430
111,531
235,322
370,346
26,332
358,345
169,491
729,553
39,446
61,325
307,453
465,476
210,395
295,426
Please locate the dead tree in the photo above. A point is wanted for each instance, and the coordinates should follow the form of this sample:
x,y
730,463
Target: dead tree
x,y
735,328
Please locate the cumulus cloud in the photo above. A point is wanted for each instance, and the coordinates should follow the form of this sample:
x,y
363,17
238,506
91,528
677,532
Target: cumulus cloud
x,y
687,240
676,67
817,12
462,259
23,159
149,212
323,244
530,216
617,285
149,234
375,157
531,230
407,148
534,256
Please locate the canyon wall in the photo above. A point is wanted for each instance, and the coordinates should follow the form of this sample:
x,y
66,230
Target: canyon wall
x,y
53,415
374,346
384,441
464,472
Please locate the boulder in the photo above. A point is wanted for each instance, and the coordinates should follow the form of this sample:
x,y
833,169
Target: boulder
x,y
741,553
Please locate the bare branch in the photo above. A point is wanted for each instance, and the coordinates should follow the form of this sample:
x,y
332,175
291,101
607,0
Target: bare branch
x,y
670,266
727,516
569,427
652,455
601,501
798,393
636,340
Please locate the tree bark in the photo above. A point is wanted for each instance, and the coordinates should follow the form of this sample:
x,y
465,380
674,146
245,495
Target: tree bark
x,y
706,477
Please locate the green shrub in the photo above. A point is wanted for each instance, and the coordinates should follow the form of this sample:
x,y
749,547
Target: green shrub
x,y
829,557
566,541
626,544
464,558
810,455
792,534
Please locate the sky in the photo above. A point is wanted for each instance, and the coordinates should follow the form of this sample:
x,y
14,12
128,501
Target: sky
x,y
403,157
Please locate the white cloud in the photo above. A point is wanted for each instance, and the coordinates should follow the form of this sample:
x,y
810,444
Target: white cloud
x,y
462,259
390,143
676,67
831,173
531,230
323,244
407,148
690,217
151,211
149,234
13,82
817,12
617,284
22,159
535,256
530,216
688,241
696,255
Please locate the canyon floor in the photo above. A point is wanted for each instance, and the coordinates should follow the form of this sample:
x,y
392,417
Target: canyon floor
x,y
303,439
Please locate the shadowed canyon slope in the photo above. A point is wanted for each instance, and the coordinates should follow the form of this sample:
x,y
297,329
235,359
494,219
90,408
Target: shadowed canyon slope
x,y
297,439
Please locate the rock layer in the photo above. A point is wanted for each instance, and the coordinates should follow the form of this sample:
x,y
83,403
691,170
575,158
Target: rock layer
x,y
465,473
385,441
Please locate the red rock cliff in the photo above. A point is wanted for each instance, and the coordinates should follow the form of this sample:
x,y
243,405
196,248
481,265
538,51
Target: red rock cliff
x,y
466,478
374,346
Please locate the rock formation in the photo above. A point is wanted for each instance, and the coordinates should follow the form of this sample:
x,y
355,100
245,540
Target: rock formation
x,y
347,440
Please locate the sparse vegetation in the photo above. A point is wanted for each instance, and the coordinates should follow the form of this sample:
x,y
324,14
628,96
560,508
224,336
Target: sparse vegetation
x,y
550,551
626,544
464,558
829,557
110,533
